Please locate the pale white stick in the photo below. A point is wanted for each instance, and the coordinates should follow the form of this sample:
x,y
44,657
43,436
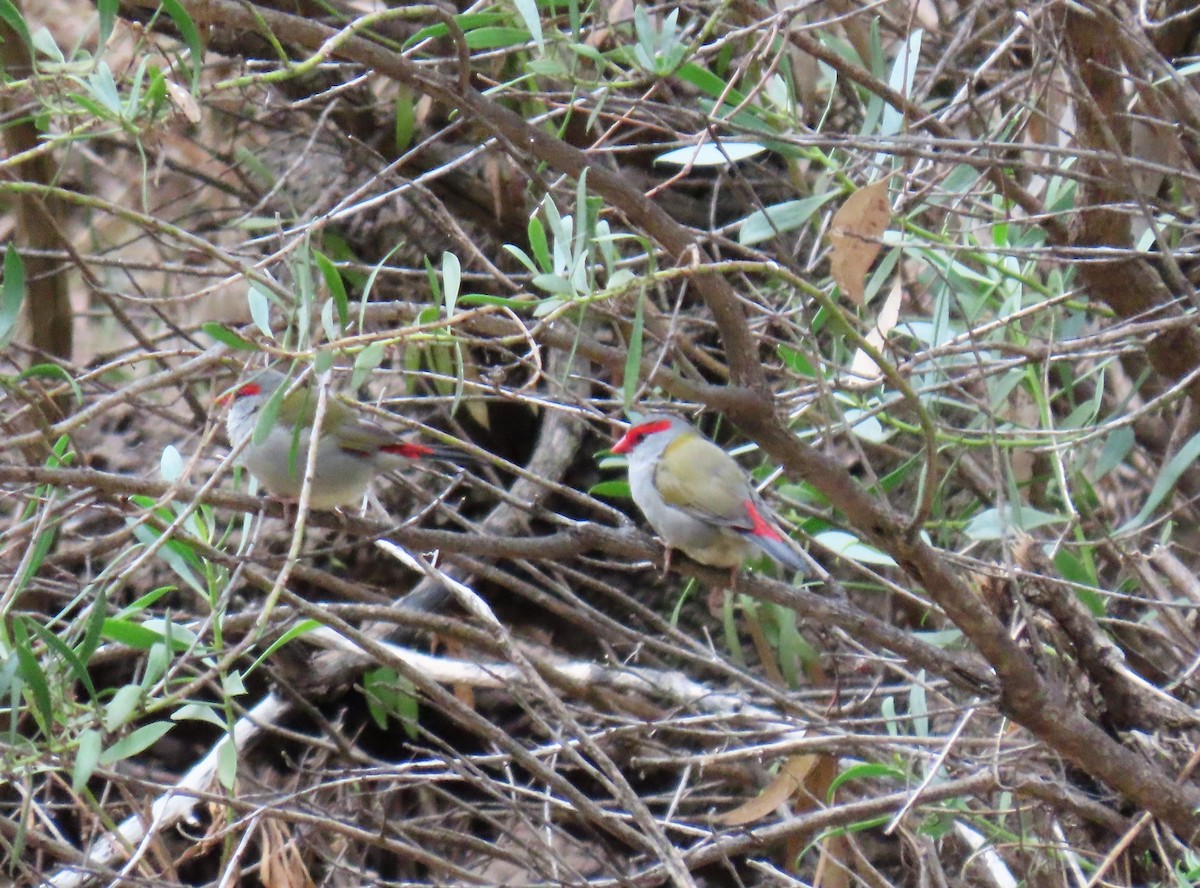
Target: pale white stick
x,y
172,807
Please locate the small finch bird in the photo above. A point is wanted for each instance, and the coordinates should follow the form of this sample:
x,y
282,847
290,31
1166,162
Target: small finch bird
x,y
351,450
696,496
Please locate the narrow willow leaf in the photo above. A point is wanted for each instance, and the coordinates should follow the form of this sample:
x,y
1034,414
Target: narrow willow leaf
x,y
12,294
633,358
227,337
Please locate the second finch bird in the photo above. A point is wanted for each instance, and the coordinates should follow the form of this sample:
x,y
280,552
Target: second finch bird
x,y
351,450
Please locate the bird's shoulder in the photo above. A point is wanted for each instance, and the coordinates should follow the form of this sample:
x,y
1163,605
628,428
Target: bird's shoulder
x,y
697,476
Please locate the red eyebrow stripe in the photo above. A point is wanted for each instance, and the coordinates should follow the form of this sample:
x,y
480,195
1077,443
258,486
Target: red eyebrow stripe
x,y
634,434
250,388
650,428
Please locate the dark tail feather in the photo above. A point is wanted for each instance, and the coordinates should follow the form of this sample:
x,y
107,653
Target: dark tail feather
x,y
781,550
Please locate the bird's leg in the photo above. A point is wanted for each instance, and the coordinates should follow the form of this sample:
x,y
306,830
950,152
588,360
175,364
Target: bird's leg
x,y
289,504
716,602
667,563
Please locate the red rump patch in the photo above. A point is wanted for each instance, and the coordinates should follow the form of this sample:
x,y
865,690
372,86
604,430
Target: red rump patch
x,y
760,526
408,451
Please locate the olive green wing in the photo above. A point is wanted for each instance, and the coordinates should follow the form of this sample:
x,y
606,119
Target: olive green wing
x,y
698,477
351,431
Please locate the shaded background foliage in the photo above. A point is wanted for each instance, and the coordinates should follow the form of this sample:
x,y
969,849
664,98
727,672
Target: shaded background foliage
x,y
927,266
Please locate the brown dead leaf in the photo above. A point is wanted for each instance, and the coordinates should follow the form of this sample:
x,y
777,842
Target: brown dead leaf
x,y
455,648
854,232
786,784
282,864
183,100
831,871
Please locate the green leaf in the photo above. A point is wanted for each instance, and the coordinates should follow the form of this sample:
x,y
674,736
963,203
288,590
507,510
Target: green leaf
x,y
405,114
122,706
330,328
87,756
90,105
369,284
994,524
866,425
95,625
522,304
260,308
708,82
30,672
1165,484
390,694
1117,446
365,363
142,602
191,36
139,741
270,414
710,154
868,772
1082,571
901,80
496,38
170,464
232,685
451,280
852,548
176,553
41,546
52,371
729,625
157,662
108,15
43,42
796,361
296,631
615,489
135,635
204,712
224,335
536,232
467,22
10,14
12,293
766,223
227,763
528,11
918,707
337,287
633,357
104,89
62,651
554,283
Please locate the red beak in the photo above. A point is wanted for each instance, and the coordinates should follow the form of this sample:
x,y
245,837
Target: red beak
x,y
625,444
